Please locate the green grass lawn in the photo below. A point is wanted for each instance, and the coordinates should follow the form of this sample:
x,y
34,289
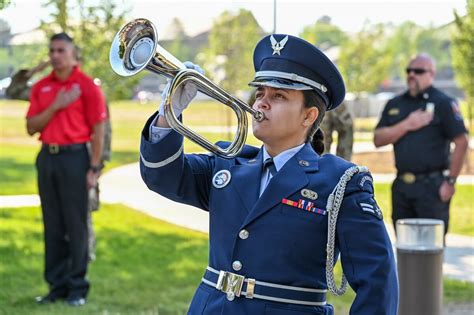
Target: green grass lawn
x,y
143,266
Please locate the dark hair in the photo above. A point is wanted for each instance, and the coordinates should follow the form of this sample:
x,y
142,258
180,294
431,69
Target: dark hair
x,y
61,36
315,135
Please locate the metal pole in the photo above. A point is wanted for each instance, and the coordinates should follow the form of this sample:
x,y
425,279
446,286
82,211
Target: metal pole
x,y
274,16
420,266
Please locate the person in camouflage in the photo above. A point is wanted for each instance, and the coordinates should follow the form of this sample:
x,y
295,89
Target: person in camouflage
x,y
339,120
19,89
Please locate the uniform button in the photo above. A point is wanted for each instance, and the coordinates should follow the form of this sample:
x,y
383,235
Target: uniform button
x,y
236,265
230,296
244,234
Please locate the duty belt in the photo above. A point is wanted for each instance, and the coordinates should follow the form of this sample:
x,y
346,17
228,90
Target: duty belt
x,y
54,148
410,178
235,285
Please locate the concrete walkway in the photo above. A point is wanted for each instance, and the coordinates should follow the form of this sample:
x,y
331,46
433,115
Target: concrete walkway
x,y
124,185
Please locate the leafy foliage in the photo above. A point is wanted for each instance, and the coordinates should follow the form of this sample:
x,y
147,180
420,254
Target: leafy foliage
x,y
93,30
323,34
463,53
364,61
228,58
177,47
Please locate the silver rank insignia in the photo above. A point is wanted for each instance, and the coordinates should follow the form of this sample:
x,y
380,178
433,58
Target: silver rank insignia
x,y
373,209
307,193
278,46
221,179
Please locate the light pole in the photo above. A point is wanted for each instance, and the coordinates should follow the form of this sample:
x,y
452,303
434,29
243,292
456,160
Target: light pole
x,y
274,16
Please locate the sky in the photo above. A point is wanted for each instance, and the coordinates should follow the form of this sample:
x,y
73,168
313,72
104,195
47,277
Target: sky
x,y
291,16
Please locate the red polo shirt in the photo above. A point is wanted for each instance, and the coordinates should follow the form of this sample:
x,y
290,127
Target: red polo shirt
x,y
74,123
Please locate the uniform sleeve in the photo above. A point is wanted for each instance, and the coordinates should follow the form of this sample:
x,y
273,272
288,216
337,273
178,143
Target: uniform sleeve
x,y
366,251
34,107
94,102
165,169
383,122
453,123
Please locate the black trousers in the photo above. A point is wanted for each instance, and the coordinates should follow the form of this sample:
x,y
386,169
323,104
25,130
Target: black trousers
x,y
419,200
62,183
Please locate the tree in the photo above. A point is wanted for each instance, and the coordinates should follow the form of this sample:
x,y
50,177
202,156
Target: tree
x,y
230,51
59,15
177,45
323,34
363,61
93,28
463,54
5,33
402,46
409,39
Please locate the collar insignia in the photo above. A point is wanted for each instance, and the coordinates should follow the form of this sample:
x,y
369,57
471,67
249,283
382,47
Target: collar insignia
x,y
278,46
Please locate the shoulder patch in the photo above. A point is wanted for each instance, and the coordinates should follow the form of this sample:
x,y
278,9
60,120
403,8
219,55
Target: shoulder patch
x,y
366,183
456,110
370,206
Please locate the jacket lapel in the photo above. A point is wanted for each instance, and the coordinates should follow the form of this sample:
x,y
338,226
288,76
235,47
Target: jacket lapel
x,y
246,180
291,178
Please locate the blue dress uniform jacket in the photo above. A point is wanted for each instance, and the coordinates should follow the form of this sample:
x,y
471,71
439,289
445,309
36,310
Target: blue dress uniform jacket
x,y
283,244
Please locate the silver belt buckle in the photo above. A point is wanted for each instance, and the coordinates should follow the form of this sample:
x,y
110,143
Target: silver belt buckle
x,y
230,283
53,148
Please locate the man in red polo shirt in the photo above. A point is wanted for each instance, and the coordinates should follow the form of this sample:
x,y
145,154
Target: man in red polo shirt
x,y
68,110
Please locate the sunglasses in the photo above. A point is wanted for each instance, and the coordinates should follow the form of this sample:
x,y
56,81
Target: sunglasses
x,y
416,70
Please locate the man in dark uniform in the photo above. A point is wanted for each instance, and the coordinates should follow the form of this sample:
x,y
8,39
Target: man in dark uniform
x,y
68,110
273,210
421,124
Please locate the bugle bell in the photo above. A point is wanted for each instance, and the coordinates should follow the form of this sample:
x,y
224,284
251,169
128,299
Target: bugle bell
x,y
135,48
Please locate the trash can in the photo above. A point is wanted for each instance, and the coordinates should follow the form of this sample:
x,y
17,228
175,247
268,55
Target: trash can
x,y
420,247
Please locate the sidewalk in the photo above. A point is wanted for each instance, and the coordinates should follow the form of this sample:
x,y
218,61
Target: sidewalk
x,y
124,185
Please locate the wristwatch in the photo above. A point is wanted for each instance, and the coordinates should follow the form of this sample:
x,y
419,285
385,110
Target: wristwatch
x,y
96,168
451,180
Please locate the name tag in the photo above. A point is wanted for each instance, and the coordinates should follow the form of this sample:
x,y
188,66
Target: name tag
x,y
394,111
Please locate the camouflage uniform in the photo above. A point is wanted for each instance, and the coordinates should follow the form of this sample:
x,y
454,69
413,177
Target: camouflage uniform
x,y
94,192
340,120
19,89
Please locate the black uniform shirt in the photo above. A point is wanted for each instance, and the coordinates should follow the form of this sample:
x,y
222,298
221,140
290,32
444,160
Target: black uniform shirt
x,y
426,149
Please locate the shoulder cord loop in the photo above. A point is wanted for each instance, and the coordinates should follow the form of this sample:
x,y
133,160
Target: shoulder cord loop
x,y
334,203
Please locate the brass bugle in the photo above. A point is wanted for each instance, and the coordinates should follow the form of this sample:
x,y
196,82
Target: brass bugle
x,y
135,48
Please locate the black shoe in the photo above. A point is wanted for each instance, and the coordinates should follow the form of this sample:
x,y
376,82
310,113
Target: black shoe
x,y
47,299
76,301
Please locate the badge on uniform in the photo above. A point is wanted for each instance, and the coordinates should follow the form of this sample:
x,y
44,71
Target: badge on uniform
x,y
303,205
456,110
308,193
373,209
221,179
394,111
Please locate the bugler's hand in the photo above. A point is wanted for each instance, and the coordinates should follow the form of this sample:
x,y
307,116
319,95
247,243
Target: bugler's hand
x,y
183,95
